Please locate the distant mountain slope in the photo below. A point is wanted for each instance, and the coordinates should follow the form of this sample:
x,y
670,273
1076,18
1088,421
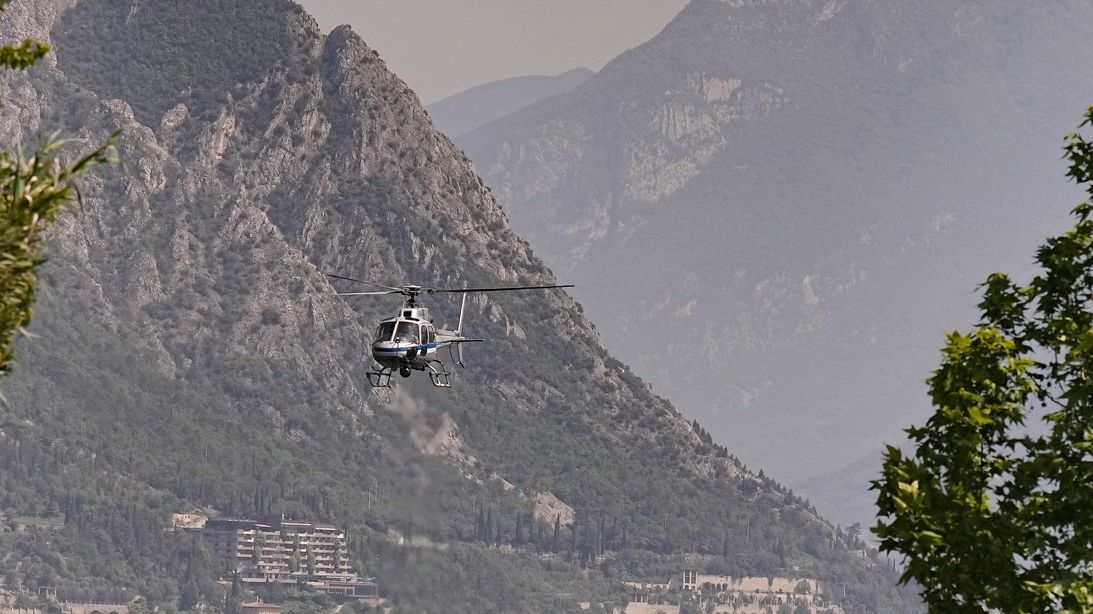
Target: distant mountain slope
x,y
460,113
774,209
191,355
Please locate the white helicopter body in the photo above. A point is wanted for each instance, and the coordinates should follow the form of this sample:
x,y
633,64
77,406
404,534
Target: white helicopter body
x,y
409,341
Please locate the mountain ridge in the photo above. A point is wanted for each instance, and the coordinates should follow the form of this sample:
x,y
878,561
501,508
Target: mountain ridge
x,y
476,106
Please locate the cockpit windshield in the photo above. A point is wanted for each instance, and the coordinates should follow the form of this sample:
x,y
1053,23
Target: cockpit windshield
x,y
383,333
407,332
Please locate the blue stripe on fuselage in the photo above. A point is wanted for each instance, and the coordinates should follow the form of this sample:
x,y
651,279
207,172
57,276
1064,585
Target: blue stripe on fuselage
x,y
399,350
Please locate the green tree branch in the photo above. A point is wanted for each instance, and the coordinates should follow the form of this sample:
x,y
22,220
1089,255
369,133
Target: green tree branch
x,y
34,188
990,514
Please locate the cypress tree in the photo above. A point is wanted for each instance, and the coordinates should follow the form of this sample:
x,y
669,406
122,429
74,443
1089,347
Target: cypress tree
x,y
554,544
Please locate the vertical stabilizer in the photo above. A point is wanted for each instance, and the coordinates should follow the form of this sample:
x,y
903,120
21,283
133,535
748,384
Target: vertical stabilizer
x,y
462,308
459,330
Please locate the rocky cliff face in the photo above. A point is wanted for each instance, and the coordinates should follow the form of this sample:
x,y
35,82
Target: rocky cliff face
x,y
192,347
773,210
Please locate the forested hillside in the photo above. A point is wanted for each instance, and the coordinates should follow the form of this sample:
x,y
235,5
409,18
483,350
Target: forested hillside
x,y
190,355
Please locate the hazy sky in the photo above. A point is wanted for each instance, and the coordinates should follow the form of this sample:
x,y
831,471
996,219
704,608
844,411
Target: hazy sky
x,y
440,47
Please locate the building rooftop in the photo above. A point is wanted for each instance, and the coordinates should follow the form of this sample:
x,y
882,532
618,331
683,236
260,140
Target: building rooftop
x,y
273,525
260,606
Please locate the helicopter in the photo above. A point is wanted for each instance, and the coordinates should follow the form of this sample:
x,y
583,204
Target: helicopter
x,y
408,341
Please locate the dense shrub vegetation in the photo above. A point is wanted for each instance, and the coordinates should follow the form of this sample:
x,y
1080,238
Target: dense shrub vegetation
x,y
154,55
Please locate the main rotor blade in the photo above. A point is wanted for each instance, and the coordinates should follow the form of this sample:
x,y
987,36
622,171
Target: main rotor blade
x,y
367,283
369,293
505,289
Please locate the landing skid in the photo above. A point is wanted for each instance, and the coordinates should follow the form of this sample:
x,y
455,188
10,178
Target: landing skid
x,y
380,378
439,376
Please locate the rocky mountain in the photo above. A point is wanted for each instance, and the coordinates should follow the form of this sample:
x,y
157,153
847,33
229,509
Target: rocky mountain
x,y
460,113
774,209
191,356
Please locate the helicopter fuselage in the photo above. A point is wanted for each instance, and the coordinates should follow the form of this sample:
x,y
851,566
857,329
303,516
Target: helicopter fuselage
x,y
408,341
394,355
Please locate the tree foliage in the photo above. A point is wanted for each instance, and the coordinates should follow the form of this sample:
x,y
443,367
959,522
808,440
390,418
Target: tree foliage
x,y
992,509
33,190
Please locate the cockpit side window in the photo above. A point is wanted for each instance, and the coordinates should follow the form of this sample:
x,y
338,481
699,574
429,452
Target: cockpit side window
x,y
383,333
407,332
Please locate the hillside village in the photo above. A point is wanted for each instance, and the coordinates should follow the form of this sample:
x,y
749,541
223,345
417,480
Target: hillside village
x,y
714,594
263,565
294,554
